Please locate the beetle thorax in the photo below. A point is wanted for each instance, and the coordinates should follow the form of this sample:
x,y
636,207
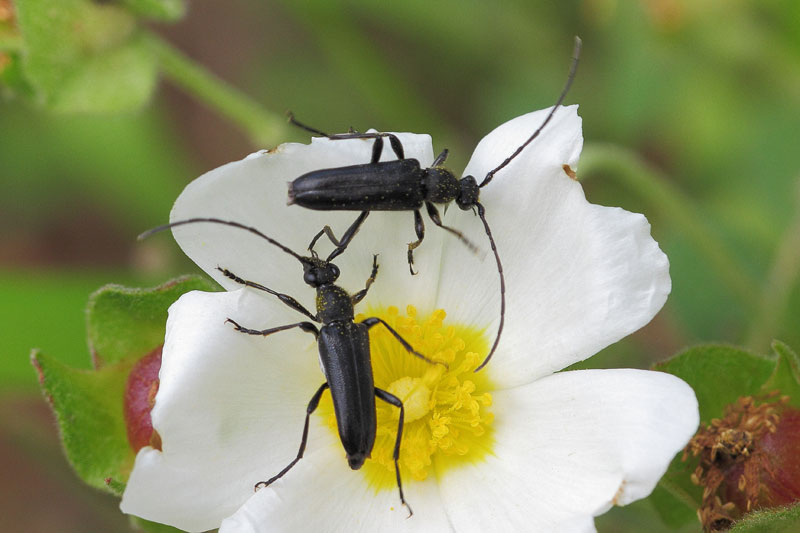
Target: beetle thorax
x,y
333,303
441,186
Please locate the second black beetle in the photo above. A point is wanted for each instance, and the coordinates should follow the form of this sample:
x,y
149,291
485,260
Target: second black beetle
x,y
403,185
344,350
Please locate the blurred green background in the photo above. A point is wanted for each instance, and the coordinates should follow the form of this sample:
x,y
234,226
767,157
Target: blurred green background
x,y
691,113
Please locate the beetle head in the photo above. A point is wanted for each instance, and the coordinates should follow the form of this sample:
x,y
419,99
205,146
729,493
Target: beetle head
x,y
317,272
469,193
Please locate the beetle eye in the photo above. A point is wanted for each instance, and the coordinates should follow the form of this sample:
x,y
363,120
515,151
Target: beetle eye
x,y
310,278
335,272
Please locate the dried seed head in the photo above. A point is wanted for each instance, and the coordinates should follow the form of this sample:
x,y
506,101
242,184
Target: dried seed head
x,y
748,459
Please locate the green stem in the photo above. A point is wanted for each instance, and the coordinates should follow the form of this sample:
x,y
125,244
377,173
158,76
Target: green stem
x,y
629,168
264,127
780,281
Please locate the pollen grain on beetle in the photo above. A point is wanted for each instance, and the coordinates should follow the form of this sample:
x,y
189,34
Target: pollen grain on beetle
x,y
447,417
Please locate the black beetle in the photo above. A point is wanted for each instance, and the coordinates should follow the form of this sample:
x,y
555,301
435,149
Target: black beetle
x,y
402,185
343,345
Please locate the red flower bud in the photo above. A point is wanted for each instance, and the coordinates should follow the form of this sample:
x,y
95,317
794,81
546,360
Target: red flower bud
x,y
140,396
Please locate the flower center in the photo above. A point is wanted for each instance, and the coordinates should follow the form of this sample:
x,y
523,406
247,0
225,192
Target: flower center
x,y
415,395
446,407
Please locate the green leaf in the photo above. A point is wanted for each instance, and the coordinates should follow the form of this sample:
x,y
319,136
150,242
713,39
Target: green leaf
x,y
786,376
770,521
719,375
84,56
166,10
126,323
88,409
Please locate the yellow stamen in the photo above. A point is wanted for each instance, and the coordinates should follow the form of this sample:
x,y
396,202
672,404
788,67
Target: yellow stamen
x,y
446,418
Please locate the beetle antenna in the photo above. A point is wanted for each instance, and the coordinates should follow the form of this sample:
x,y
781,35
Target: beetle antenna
x,y
253,230
482,215
576,52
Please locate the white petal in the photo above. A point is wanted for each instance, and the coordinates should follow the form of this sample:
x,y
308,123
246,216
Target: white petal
x,y
253,191
229,409
578,276
322,494
568,447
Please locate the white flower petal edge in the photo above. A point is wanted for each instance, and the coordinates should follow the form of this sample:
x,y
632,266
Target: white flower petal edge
x,y
579,276
229,410
253,191
322,494
568,447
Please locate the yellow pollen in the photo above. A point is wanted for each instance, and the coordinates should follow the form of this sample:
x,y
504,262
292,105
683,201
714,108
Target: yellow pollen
x,y
447,421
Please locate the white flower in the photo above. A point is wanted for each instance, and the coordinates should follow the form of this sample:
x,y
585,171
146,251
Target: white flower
x,y
511,448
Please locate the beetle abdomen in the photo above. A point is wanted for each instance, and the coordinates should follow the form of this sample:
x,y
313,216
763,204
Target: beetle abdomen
x,y
387,186
344,355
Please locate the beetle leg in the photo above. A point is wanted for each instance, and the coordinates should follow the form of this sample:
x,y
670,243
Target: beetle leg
x,y
434,214
419,228
344,242
324,231
394,400
285,298
347,236
305,326
440,158
377,150
312,406
369,322
397,146
357,297
341,244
